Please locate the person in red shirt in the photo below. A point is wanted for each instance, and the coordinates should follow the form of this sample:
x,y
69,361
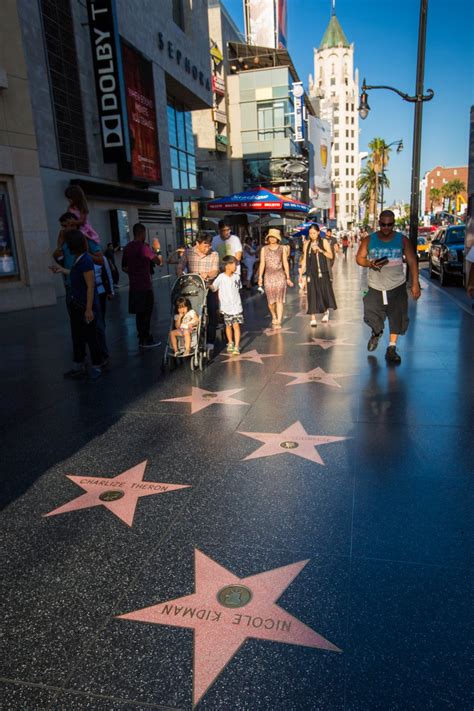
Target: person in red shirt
x,y
137,259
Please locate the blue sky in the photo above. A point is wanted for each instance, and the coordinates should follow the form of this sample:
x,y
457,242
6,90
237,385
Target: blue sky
x,y
385,35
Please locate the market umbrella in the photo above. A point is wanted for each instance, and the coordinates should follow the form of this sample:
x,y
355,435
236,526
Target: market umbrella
x,y
258,200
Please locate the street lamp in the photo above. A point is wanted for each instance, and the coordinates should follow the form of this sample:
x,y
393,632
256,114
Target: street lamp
x,y
418,99
399,145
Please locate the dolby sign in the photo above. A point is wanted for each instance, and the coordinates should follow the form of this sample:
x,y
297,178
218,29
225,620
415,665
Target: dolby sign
x,y
107,60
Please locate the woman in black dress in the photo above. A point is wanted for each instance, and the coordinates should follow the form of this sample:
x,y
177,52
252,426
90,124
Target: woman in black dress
x,y
317,252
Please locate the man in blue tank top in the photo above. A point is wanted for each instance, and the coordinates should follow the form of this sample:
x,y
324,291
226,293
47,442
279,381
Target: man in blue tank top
x,y
382,253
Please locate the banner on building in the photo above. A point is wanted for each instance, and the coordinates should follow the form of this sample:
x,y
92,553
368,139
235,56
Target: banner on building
x,y
108,75
298,97
319,140
282,24
145,156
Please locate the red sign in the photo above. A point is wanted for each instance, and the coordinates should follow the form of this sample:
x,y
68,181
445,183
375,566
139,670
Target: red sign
x,y
138,76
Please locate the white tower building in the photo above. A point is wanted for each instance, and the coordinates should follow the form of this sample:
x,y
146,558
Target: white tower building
x,y
336,86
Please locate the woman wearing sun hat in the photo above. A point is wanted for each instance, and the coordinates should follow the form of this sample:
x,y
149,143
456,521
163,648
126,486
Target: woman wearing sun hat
x,y
274,274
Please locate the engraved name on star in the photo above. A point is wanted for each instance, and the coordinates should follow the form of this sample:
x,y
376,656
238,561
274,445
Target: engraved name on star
x,y
200,399
293,440
250,356
225,610
316,375
118,494
326,343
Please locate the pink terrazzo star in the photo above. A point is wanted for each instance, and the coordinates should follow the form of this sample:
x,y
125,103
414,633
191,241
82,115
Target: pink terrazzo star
x,y
226,610
201,399
326,343
275,331
251,356
118,494
316,375
294,440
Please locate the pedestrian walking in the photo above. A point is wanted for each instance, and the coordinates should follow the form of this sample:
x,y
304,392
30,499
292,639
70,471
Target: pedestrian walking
x,y
332,241
203,260
345,245
249,259
137,261
317,256
274,275
109,254
228,285
225,244
387,297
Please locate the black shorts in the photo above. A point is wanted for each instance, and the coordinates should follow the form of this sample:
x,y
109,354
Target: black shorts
x,y
396,310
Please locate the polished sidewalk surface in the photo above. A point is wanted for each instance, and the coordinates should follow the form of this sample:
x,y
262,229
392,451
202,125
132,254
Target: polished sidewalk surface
x,y
288,530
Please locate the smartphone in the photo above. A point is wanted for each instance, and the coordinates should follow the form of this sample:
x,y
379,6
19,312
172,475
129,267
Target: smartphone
x,y
381,262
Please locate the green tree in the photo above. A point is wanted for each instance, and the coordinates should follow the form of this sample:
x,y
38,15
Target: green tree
x,y
447,193
369,184
457,187
435,197
379,157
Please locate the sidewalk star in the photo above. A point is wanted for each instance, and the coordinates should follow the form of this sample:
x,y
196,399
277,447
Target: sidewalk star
x,y
226,610
252,356
317,375
118,494
326,343
294,440
201,399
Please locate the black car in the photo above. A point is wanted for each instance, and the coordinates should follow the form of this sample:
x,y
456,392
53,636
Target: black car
x,y
447,253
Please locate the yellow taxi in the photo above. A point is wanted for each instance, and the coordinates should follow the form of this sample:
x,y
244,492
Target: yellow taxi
x,y
422,248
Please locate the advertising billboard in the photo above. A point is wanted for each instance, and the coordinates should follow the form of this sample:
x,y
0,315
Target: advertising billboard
x,y
319,139
298,96
260,22
107,63
138,76
282,24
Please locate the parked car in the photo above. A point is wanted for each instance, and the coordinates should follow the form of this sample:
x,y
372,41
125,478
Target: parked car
x,y
422,248
446,257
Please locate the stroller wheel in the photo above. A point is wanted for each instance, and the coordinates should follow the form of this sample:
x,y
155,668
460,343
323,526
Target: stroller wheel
x,y
192,364
201,360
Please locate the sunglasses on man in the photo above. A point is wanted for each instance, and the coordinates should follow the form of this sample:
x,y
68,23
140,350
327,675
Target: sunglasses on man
x,y
387,224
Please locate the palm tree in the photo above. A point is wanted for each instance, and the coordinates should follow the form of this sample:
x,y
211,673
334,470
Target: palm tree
x,y
379,157
369,184
457,187
447,194
435,197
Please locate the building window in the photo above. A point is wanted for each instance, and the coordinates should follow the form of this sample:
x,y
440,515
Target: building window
x,y
438,173
455,172
178,13
182,149
336,172
333,81
336,159
271,120
58,29
336,146
8,258
187,222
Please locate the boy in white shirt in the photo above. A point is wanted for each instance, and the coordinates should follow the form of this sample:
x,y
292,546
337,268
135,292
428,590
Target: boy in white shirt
x,y
228,285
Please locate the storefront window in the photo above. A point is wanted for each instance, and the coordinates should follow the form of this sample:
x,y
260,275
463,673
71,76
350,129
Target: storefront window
x,y
8,258
182,149
187,223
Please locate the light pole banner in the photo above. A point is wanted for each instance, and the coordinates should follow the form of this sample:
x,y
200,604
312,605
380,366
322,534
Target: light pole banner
x,y
298,95
319,140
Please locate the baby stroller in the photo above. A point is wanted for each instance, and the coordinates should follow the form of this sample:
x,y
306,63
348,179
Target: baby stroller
x,y
192,287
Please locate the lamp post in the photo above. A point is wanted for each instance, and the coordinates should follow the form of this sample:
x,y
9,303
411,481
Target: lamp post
x,y
399,145
418,99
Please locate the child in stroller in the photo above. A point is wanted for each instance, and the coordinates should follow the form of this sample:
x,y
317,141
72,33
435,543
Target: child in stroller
x,y
186,321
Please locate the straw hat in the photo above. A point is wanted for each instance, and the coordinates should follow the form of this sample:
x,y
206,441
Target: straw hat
x,y
272,232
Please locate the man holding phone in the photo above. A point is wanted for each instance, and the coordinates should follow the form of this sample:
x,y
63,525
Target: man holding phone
x,y
382,253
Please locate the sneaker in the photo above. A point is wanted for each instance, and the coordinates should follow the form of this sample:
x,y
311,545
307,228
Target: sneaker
x,y
75,374
230,347
391,355
313,322
374,341
95,374
325,318
150,343
235,350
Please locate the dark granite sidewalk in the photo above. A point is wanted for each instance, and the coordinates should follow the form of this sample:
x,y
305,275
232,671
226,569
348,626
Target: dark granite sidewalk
x,y
320,556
